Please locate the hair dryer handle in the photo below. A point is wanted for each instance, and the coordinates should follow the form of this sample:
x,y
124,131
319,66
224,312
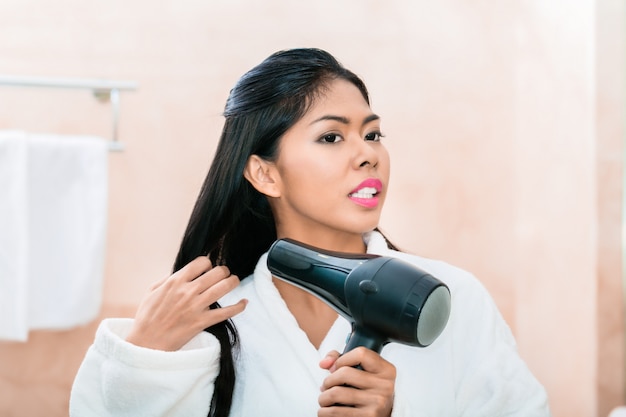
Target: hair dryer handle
x,y
320,272
363,336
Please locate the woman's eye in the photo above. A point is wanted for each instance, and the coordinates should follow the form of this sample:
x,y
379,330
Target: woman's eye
x,y
374,136
330,138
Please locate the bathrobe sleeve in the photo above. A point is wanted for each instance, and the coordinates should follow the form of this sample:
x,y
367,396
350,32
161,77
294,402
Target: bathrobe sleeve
x,y
492,378
119,379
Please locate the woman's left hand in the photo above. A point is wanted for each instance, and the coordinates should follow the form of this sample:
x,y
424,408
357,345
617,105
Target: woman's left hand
x,y
350,391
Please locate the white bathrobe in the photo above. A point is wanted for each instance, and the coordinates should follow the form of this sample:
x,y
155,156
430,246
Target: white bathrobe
x,y
472,369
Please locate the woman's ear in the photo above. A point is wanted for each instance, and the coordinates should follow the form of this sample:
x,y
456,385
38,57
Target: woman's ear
x,y
262,175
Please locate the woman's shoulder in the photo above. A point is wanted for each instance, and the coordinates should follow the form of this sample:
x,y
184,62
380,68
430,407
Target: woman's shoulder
x,y
457,279
245,289
444,271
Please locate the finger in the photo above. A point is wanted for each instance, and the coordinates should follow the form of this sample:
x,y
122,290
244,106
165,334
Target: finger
x,y
210,278
343,396
347,376
353,357
158,283
338,410
365,358
218,315
374,394
193,269
187,272
218,290
329,360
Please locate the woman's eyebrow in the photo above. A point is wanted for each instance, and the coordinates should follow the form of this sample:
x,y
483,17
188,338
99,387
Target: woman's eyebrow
x,y
345,120
371,118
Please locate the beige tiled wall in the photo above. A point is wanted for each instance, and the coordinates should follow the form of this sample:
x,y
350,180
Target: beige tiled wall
x,y
504,120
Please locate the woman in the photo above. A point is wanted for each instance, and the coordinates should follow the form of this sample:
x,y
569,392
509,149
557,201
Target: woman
x,y
300,156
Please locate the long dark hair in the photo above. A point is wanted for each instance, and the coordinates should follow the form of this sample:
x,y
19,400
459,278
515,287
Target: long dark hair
x,y
231,222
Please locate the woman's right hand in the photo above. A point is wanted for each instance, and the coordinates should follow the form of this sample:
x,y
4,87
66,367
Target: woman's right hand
x,y
177,308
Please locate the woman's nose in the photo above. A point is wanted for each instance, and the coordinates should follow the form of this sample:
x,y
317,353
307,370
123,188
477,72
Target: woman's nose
x,y
365,154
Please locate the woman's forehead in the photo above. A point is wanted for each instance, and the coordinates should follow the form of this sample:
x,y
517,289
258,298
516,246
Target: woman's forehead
x,y
337,99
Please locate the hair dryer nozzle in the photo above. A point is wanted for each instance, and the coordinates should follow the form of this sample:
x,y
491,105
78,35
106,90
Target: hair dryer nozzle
x,y
398,300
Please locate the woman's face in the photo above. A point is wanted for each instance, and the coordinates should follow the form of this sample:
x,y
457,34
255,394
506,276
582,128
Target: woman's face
x,y
332,171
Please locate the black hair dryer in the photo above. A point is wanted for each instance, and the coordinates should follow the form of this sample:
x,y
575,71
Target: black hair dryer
x,y
385,299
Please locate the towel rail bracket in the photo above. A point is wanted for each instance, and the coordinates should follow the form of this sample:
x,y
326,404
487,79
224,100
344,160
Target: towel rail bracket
x,y
103,91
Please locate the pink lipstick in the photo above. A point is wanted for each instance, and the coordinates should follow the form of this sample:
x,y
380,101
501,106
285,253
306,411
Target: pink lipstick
x,y
366,194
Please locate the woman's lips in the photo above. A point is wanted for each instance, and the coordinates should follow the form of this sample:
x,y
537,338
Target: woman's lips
x,y
366,194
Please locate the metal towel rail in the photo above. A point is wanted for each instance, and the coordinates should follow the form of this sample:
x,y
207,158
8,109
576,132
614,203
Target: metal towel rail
x,y
103,90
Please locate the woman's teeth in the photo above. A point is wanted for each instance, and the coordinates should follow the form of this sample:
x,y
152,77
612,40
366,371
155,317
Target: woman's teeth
x,y
367,192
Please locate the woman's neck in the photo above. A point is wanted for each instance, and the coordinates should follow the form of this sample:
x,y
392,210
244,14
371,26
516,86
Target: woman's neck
x,y
314,316
349,243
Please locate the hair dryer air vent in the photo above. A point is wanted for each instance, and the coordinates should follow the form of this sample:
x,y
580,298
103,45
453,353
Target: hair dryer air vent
x,y
385,299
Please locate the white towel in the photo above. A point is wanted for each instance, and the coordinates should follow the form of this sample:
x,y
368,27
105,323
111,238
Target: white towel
x,y
53,212
13,236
